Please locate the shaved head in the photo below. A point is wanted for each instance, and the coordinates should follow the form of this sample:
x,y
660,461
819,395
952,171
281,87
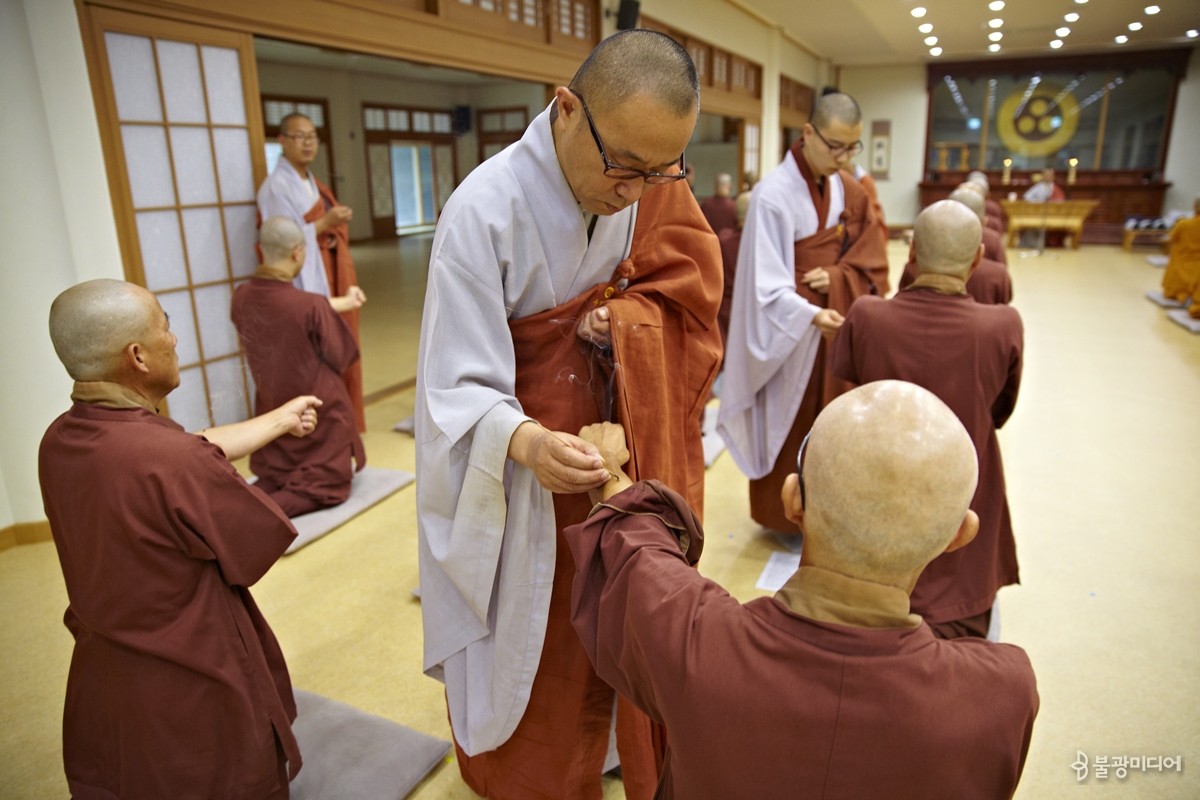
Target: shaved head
x,y
723,183
835,107
890,472
278,237
946,238
92,322
968,194
979,179
637,62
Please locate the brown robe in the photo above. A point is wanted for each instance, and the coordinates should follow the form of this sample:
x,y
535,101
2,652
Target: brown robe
x,y
868,183
731,240
855,256
340,272
829,689
663,302
296,344
994,211
993,246
721,213
969,355
177,686
990,283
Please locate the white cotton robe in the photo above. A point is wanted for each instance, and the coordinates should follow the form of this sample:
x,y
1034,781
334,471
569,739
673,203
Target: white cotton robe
x,y
772,342
510,242
285,193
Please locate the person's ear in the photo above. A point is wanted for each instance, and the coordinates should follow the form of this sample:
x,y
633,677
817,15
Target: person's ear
x,y
793,504
135,357
966,532
567,102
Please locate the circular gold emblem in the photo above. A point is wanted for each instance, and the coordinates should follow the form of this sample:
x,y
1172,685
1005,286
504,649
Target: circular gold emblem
x,y
1039,125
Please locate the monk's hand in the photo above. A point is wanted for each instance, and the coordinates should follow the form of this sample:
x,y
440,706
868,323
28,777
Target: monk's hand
x,y
828,321
562,462
595,327
299,415
353,299
817,279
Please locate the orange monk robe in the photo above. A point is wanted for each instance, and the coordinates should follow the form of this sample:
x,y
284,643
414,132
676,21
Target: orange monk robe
x,y
665,352
1181,281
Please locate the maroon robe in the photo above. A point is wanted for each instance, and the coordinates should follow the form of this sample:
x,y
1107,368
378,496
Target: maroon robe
x,y
855,255
177,687
731,240
993,246
297,344
995,211
761,701
969,355
990,283
663,300
721,213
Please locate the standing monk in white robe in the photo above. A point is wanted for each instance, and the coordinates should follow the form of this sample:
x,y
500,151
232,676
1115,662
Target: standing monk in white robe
x,y
811,245
562,289
294,192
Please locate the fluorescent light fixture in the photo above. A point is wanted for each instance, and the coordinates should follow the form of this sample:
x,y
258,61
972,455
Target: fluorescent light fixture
x,y
1062,32
995,36
1072,17
931,40
994,47
995,23
1135,26
918,12
935,51
1122,39
1055,43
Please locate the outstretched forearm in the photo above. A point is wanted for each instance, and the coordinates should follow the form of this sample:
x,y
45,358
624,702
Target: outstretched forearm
x,y
297,417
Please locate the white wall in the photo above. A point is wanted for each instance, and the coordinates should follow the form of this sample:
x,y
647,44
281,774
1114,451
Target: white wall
x,y
1183,156
57,225
895,93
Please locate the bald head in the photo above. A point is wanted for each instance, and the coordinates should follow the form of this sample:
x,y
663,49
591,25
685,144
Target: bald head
x,y
835,107
723,184
92,322
979,179
278,237
946,238
890,473
968,194
639,62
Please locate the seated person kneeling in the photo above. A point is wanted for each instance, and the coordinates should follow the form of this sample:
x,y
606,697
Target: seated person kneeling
x,y
831,685
295,338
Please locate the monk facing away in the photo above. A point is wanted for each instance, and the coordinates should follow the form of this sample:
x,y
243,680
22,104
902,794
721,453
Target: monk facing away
x,y
296,343
969,354
177,686
1181,281
831,688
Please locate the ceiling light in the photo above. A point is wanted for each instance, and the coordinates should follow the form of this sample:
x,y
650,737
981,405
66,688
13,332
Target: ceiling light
x,y
995,48
995,23
996,5
1081,2
1135,26
1062,32
1072,17
1152,10
935,51
1056,43
1193,33
1122,39
925,27
930,40
995,36
918,12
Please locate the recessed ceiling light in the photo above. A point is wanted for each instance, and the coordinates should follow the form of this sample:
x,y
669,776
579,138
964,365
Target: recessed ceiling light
x,y
1152,10
995,48
1072,17
995,23
925,27
1062,32
995,36
918,12
1135,26
1081,2
1193,33
1122,39
1056,43
931,40
935,51
996,5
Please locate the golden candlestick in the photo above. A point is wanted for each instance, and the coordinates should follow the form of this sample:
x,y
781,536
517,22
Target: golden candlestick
x,y
1006,178
1072,163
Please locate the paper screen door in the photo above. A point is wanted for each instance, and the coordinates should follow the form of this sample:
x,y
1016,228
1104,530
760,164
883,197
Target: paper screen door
x,y
182,134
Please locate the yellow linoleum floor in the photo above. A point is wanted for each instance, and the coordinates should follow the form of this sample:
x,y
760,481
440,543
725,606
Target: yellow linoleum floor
x,y
1102,458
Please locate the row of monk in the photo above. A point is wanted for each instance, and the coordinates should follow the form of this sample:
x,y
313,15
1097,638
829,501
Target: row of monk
x,y
569,344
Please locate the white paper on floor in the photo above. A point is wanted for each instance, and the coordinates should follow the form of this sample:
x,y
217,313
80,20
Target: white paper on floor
x,y
780,567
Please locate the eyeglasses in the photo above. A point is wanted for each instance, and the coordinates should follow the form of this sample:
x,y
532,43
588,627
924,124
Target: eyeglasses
x,y
623,173
301,138
835,150
800,468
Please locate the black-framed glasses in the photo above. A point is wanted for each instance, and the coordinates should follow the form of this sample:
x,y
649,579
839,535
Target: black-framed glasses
x,y
835,150
623,173
800,469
